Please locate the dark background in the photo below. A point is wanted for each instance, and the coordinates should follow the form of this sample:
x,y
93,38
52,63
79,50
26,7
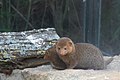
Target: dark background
x,y
92,21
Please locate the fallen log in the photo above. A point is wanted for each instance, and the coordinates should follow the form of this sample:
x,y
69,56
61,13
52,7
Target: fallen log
x,y
25,49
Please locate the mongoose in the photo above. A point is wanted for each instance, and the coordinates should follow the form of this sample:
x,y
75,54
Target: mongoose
x,y
54,59
80,55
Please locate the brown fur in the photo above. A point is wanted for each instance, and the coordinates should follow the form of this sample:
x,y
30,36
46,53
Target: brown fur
x,y
80,55
52,56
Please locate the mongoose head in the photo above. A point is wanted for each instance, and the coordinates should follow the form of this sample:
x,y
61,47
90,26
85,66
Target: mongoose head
x,y
64,46
52,56
49,53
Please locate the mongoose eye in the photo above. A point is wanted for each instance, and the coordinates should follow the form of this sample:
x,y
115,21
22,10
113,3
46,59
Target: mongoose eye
x,y
58,48
65,48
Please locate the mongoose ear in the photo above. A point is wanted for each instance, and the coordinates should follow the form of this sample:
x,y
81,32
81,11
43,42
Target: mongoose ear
x,y
70,43
55,44
46,55
46,52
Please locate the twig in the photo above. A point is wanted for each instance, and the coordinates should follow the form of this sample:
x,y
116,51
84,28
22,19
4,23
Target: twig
x,y
44,14
22,16
29,10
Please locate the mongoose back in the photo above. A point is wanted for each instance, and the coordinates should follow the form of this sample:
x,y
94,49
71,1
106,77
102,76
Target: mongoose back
x,y
80,55
54,59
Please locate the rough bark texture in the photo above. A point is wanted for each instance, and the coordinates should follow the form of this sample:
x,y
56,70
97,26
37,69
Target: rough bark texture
x,y
25,49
